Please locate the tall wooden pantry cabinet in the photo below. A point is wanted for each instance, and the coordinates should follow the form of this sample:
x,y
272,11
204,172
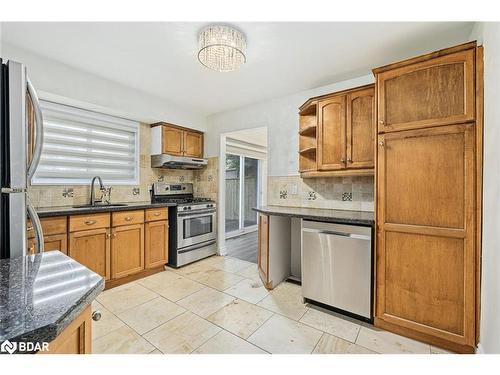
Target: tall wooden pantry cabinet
x,y
429,146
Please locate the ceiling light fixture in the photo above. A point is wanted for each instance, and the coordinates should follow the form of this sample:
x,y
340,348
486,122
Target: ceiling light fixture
x,y
221,48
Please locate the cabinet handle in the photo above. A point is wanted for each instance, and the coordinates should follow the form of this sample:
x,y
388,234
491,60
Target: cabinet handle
x,y
156,214
381,122
128,218
90,222
381,143
342,161
108,235
114,235
96,315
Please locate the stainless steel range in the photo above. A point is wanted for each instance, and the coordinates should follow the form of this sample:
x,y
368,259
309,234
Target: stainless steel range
x,y
192,224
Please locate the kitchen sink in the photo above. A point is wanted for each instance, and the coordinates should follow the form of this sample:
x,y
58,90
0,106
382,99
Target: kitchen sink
x,y
101,205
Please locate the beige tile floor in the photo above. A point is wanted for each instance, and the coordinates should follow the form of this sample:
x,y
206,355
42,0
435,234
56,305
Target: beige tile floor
x,y
217,306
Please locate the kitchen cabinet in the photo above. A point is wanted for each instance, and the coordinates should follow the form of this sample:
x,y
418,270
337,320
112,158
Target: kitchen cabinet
x,y
127,250
331,133
156,244
274,249
55,234
426,209
176,140
263,248
172,140
75,338
121,246
427,93
92,249
337,134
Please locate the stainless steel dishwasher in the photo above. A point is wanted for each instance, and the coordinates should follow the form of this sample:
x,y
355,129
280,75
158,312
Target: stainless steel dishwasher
x,y
337,266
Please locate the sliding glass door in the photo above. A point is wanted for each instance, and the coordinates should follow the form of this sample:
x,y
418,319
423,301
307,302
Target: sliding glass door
x,y
242,193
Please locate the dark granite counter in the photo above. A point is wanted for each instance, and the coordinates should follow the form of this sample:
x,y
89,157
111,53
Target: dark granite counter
x,y
333,216
70,210
40,295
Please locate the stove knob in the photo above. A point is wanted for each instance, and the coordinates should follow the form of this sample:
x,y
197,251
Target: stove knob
x,y
189,208
185,208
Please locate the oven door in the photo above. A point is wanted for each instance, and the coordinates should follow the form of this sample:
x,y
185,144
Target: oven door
x,y
195,227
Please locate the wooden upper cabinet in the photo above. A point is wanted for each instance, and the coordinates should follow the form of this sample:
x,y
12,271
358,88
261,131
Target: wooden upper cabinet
x,y
360,129
427,92
176,140
193,144
331,151
172,140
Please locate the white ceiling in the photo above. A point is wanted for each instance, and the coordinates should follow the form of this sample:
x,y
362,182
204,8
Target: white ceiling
x,y
282,58
256,136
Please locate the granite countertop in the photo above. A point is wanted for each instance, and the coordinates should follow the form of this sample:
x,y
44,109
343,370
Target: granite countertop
x,y
70,210
333,216
41,294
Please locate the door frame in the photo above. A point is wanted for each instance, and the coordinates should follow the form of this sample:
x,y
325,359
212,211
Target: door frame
x,y
221,205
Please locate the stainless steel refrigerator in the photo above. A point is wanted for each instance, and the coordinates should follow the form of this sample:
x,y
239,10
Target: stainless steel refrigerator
x,y
17,167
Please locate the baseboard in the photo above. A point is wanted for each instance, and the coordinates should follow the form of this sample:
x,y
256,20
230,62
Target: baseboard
x,y
480,349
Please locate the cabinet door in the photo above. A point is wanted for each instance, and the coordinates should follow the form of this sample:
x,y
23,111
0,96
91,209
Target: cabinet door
x,y
331,151
172,140
436,92
360,129
56,242
92,249
263,255
127,250
425,242
156,252
193,144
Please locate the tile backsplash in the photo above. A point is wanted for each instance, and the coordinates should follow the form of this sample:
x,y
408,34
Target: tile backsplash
x,y
344,193
205,181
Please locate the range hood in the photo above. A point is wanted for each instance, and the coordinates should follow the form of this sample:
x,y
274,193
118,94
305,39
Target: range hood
x,y
177,162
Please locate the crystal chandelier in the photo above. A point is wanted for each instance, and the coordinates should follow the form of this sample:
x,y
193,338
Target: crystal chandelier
x,y
221,48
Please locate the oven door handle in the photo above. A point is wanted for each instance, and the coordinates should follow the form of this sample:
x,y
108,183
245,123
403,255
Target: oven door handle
x,y
195,213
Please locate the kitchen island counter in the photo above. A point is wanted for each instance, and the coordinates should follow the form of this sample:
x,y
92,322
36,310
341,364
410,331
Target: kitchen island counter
x,y
42,294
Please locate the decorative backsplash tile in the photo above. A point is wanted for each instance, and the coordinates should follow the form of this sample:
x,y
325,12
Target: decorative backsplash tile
x,y
345,193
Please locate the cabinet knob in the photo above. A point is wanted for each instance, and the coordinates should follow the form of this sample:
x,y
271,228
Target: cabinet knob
x,y
342,160
156,214
381,122
128,218
96,316
381,143
349,160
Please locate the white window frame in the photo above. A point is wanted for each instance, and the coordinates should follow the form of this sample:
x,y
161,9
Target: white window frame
x,y
96,118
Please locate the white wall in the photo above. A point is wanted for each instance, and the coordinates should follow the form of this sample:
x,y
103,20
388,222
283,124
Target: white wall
x,y
280,116
489,35
60,82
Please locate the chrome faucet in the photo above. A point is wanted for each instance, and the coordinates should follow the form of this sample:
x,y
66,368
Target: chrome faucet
x,y
93,201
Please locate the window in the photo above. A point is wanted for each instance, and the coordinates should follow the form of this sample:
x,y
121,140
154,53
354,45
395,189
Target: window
x,y
80,144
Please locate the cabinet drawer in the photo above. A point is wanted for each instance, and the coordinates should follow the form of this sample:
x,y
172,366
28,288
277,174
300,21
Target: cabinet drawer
x,y
50,226
90,221
128,217
153,214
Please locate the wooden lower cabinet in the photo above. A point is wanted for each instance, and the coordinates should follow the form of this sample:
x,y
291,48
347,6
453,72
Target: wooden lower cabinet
x,y
92,249
156,243
127,250
426,233
76,338
263,250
